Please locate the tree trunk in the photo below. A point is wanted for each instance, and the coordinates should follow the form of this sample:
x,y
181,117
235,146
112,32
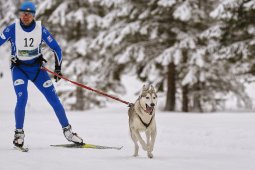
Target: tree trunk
x,y
185,88
171,88
185,98
196,98
79,95
79,105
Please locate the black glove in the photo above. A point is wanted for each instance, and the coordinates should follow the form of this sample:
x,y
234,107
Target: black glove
x,y
15,61
41,60
57,71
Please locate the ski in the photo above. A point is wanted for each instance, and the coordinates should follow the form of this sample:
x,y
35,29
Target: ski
x,y
22,149
87,146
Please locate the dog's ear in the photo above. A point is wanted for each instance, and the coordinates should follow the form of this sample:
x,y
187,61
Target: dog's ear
x,y
145,87
152,88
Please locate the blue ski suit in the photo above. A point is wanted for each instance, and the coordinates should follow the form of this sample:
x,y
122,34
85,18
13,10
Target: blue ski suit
x,y
26,71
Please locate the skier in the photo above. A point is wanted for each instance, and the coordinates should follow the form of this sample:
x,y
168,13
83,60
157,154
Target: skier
x,y
26,36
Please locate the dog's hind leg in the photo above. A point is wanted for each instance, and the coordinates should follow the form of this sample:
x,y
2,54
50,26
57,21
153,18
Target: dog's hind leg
x,y
134,138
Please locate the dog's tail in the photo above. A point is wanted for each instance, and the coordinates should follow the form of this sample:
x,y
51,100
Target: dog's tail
x,y
131,104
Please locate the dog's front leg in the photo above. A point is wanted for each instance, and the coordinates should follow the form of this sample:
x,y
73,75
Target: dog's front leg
x,y
148,137
149,144
142,142
153,138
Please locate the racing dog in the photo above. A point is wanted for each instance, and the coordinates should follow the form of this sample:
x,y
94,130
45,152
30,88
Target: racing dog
x,y
142,119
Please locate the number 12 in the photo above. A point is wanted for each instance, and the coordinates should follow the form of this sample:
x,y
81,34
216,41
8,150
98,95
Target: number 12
x,y
31,42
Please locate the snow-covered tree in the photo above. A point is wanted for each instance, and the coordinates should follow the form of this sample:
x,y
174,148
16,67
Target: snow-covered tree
x,y
233,39
193,58
71,22
158,40
8,12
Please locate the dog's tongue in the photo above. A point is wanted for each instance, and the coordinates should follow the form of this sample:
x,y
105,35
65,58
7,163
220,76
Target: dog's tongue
x,y
149,109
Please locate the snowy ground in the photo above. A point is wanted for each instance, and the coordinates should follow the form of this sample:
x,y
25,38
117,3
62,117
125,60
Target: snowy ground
x,y
221,141
184,142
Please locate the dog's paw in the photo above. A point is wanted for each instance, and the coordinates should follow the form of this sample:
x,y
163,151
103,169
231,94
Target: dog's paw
x,y
150,155
135,154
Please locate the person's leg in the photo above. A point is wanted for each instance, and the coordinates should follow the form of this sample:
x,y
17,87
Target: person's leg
x,y
20,86
20,82
45,85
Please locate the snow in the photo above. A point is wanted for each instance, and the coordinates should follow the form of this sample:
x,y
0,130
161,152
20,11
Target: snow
x,y
44,6
183,12
184,142
250,5
81,46
60,12
197,58
144,15
109,3
189,78
220,11
166,3
194,142
79,15
166,56
93,21
214,31
154,33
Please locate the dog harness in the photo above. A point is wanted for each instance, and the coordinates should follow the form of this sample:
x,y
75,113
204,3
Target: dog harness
x,y
145,124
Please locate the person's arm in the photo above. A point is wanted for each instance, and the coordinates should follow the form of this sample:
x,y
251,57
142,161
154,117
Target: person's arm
x,y
7,34
52,43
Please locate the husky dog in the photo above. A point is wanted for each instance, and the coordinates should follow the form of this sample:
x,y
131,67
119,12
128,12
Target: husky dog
x,y
142,119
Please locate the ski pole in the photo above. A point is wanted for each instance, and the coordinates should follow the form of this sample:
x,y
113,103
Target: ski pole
x,y
86,87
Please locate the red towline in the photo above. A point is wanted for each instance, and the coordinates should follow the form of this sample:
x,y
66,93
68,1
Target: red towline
x,y
86,87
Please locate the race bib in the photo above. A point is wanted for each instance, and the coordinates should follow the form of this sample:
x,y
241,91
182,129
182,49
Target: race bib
x,y
28,43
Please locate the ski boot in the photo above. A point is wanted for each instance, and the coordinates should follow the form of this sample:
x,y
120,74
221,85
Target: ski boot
x,y
72,137
19,137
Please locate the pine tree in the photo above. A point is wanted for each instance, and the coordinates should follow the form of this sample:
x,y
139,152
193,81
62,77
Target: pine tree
x,y
8,12
71,22
157,39
233,36
170,43
129,41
